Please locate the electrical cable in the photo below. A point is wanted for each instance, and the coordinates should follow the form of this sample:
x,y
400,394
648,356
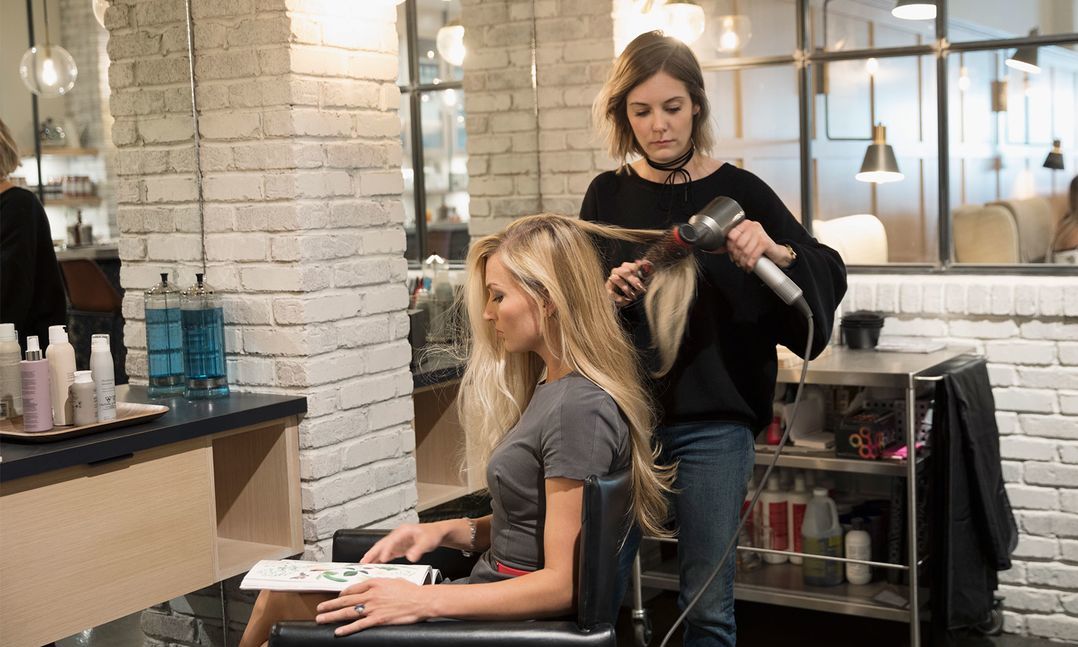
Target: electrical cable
x,y
745,515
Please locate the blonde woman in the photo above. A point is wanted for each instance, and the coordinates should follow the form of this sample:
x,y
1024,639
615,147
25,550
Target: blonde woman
x,y
553,393
31,291
718,391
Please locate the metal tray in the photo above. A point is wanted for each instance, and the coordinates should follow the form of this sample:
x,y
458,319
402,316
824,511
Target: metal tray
x,y
127,413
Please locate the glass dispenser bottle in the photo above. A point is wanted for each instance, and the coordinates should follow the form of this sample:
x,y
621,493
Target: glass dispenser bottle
x,y
164,339
203,342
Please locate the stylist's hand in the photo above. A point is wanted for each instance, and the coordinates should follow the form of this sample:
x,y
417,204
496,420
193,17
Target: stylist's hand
x,y
748,241
624,284
411,541
381,602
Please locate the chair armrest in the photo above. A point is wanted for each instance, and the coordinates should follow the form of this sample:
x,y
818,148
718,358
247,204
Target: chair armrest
x,y
350,546
544,633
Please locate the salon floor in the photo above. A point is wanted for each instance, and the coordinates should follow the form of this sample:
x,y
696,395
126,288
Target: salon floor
x,y
757,627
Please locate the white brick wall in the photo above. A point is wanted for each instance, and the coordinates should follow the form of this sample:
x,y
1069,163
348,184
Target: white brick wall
x,y
1028,330
304,233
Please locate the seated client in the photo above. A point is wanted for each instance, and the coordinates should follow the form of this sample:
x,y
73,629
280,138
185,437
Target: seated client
x,y
553,393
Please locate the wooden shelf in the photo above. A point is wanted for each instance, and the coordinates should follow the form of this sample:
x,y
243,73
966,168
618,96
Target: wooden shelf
x,y
63,151
235,556
85,201
435,494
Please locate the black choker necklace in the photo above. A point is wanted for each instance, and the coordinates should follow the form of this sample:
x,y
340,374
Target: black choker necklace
x,y
676,168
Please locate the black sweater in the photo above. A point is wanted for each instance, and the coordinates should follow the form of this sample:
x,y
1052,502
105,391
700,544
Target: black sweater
x,y
726,367
32,294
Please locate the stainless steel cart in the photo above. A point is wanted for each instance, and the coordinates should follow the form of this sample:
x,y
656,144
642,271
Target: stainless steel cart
x,y
782,584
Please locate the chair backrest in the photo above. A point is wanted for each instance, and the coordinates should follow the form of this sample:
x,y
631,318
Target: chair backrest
x,y
859,239
1035,223
605,523
88,289
985,234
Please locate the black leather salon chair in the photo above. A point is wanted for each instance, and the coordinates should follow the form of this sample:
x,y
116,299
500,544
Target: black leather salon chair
x,y
605,521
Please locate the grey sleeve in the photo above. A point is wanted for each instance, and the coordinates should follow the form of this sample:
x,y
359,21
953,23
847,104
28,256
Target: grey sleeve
x,y
587,436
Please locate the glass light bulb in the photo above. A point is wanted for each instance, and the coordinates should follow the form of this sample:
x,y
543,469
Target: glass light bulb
x,y
48,71
449,98
450,44
734,33
963,79
684,21
99,10
873,66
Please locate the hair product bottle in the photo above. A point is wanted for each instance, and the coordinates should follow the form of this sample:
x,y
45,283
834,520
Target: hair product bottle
x,y
84,399
104,375
821,535
61,356
10,387
164,340
858,546
203,342
36,389
748,560
773,516
799,498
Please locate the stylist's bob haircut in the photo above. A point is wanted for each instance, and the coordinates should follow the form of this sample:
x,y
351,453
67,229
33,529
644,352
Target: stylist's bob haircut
x,y
647,55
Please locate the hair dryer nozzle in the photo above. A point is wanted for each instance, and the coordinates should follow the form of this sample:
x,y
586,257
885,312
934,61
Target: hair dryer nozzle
x,y
714,221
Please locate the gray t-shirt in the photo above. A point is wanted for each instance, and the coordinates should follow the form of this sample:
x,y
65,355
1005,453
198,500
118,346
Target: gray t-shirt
x,y
571,429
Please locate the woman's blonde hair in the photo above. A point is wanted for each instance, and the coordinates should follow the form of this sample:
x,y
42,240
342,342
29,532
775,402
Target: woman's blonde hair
x,y
555,262
647,55
9,152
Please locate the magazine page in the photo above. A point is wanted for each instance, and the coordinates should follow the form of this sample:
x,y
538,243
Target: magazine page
x,y
296,575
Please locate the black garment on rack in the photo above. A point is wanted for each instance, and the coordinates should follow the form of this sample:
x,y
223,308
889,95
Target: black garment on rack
x,y
975,531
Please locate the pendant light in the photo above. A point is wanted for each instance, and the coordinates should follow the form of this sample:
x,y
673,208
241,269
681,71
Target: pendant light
x,y
99,7
1025,58
1054,160
880,165
734,33
450,43
914,10
48,71
684,20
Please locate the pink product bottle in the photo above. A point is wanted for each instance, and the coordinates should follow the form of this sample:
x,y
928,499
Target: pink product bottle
x,y
774,530
36,389
799,498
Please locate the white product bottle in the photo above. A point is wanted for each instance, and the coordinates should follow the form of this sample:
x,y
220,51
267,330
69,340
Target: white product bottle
x,y
61,356
799,498
10,383
821,534
104,376
773,518
858,546
83,399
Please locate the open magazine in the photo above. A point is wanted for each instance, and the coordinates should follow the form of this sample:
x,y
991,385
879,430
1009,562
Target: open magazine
x,y
296,575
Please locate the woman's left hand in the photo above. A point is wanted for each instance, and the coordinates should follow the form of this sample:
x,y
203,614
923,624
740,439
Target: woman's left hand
x,y
747,242
384,602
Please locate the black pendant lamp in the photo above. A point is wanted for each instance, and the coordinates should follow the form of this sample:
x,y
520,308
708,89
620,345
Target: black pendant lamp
x,y
915,9
1024,59
1054,160
880,165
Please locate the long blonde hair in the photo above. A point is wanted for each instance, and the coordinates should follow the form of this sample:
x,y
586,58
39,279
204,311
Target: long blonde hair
x,y
555,262
647,55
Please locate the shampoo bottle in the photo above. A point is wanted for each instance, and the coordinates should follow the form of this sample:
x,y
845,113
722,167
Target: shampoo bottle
x,y
61,356
858,546
104,376
799,498
773,516
36,389
83,399
10,387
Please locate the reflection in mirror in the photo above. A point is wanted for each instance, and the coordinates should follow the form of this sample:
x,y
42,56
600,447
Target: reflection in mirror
x,y
989,19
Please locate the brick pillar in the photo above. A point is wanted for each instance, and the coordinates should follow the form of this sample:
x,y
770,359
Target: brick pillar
x,y
304,234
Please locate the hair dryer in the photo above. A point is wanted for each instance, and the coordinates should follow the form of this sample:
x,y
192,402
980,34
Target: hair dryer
x,y
707,231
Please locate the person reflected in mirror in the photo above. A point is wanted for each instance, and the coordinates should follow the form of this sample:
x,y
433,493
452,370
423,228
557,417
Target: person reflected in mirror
x,y
1065,242
31,290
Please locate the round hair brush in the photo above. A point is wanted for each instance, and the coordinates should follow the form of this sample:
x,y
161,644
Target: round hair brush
x,y
671,248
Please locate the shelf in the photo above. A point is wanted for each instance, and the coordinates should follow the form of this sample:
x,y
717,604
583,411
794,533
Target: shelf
x,y
62,151
827,461
235,556
782,584
86,201
435,494
845,366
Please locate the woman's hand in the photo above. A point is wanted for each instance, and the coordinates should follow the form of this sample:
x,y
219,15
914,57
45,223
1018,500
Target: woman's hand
x,y
748,241
411,541
380,601
624,284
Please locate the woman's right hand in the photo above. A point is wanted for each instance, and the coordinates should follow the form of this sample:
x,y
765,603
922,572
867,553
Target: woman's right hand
x,y
624,284
411,541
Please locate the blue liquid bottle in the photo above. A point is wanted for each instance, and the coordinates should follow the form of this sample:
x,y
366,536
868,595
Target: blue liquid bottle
x,y
203,342
164,340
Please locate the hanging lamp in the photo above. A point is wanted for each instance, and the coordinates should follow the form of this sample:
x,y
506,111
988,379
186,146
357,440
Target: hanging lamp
x,y
879,165
48,71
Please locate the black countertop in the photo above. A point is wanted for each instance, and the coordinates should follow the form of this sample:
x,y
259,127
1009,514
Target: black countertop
x,y
185,419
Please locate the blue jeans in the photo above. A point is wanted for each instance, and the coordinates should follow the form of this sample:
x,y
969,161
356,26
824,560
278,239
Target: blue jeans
x,y
715,460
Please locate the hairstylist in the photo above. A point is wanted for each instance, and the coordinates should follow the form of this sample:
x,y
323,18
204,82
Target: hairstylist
x,y
719,391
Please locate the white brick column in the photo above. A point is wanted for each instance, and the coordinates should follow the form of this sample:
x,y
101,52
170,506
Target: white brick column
x,y
1027,327
301,158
